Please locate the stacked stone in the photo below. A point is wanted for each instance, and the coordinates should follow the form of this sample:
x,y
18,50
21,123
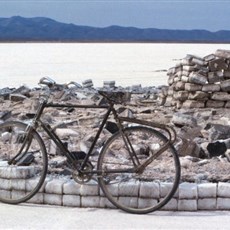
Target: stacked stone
x,y
198,82
109,84
64,191
87,83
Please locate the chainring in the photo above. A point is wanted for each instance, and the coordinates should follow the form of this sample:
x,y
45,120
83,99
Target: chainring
x,y
81,177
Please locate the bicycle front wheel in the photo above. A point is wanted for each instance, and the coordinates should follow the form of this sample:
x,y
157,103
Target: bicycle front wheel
x,y
23,162
144,191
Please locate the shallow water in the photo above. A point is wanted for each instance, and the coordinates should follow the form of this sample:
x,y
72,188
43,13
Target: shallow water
x,y
126,63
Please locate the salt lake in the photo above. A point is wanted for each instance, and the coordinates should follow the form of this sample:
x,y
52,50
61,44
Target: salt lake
x,y
126,63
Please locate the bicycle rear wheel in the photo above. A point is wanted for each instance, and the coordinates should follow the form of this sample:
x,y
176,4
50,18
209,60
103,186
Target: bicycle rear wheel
x,y
23,177
145,191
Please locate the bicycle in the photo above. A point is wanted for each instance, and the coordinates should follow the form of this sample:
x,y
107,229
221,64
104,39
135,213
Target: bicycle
x,y
134,164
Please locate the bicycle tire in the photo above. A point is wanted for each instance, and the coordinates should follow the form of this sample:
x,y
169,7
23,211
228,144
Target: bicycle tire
x,y
22,179
138,193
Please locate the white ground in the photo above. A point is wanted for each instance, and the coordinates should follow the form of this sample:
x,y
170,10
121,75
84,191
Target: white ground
x,y
25,216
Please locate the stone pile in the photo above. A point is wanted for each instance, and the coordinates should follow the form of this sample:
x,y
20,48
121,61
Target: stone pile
x,y
198,82
202,133
73,89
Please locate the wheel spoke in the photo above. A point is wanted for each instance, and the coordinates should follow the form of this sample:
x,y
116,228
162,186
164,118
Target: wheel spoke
x,y
138,191
23,162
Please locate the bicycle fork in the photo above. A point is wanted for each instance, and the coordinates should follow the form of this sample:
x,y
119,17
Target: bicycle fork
x,y
26,140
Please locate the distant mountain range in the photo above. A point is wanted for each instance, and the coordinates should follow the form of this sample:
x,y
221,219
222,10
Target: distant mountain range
x,y
45,29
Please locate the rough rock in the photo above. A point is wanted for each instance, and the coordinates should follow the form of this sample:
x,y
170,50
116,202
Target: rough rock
x,y
216,149
181,119
17,97
218,131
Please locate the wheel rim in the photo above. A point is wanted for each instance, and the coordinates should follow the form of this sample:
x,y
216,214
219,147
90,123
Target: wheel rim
x,y
22,179
139,193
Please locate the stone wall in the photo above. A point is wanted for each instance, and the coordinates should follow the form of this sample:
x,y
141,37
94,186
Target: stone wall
x,y
198,82
64,191
189,197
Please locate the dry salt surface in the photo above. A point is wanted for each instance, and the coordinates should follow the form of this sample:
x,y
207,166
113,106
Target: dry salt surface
x,y
26,216
126,63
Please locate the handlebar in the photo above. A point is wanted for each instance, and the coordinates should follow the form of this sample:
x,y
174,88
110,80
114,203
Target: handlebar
x,y
47,84
47,81
114,97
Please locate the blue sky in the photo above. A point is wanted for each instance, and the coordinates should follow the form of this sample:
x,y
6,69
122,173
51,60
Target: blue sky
x,y
211,15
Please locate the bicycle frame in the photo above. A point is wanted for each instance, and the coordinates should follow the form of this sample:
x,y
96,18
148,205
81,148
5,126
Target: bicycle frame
x,y
46,127
109,110
127,164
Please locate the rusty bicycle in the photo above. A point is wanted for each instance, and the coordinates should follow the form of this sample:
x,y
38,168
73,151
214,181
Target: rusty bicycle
x,y
137,168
